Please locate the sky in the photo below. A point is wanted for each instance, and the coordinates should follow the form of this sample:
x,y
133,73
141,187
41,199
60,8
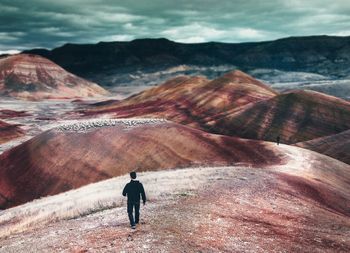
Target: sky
x,y
26,24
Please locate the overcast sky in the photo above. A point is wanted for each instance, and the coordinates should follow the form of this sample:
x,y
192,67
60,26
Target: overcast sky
x,y
39,23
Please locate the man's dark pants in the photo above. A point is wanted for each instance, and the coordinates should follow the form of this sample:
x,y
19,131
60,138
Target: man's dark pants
x,y
131,206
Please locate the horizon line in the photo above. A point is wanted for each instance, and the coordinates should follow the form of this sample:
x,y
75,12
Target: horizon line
x,y
16,51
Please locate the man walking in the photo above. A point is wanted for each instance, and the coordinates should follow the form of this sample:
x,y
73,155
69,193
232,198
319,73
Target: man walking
x,y
278,140
133,190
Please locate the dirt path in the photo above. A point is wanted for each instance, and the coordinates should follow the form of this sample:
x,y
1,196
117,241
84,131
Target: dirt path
x,y
236,210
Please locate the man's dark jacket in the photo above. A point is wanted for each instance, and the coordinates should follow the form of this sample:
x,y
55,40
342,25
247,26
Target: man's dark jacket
x,y
134,189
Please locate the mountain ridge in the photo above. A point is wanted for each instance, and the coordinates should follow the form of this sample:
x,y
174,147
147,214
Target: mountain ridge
x,y
327,55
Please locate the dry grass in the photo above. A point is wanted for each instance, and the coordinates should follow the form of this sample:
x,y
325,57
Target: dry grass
x,y
100,196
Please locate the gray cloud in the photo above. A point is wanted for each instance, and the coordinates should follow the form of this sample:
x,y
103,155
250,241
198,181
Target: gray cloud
x,y
41,23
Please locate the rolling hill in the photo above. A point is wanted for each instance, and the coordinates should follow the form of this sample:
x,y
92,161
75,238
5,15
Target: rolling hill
x,y
187,100
295,116
230,91
299,205
236,105
34,77
74,155
336,146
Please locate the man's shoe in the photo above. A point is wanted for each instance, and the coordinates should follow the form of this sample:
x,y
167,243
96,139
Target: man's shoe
x,y
133,226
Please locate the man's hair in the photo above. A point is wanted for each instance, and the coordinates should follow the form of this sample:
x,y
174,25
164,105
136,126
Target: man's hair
x,y
133,175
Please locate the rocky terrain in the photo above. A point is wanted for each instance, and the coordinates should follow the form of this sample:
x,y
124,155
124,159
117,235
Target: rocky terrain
x,y
34,117
74,155
336,146
337,88
289,80
33,77
299,205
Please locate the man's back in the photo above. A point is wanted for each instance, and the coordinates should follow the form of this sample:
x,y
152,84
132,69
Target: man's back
x,y
133,190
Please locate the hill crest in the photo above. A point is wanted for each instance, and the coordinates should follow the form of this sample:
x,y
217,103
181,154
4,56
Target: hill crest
x,y
34,77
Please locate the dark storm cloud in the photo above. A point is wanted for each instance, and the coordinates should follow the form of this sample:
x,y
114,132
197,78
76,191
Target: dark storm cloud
x,y
39,23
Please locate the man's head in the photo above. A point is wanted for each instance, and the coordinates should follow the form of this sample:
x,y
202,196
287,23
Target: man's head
x,y
133,175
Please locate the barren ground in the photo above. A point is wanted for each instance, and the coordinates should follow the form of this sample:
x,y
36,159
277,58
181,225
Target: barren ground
x,y
222,209
38,116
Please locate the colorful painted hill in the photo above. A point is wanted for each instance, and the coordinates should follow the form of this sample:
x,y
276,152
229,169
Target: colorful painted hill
x,y
75,155
236,105
294,116
34,77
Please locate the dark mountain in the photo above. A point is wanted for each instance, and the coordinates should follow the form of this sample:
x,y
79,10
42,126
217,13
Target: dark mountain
x,y
102,62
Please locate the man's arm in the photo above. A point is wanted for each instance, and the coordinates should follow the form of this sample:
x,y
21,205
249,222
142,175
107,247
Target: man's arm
x,y
125,190
143,194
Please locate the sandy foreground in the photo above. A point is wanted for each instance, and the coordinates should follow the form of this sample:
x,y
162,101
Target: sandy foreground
x,y
220,209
